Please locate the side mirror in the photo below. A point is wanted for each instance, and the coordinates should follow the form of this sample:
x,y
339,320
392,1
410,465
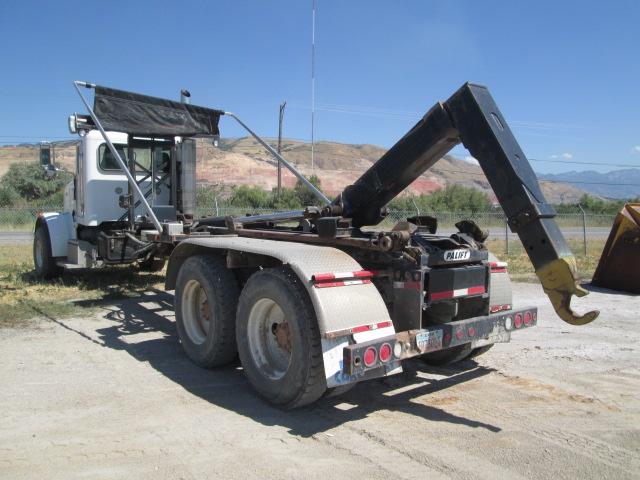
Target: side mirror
x,y
50,171
73,124
80,124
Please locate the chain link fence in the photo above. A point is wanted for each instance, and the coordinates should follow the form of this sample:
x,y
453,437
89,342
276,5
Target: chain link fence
x,y
574,226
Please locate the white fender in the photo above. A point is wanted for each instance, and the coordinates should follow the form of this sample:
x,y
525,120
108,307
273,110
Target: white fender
x,y
61,230
337,308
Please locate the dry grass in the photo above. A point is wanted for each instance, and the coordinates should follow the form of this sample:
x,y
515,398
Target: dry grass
x,y
23,296
520,267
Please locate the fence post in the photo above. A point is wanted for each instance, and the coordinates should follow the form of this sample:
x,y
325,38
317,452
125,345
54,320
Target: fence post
x,y
506,234
584,228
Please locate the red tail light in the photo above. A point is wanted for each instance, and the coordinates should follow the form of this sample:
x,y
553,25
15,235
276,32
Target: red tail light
x,y
517,322
385,352
370,356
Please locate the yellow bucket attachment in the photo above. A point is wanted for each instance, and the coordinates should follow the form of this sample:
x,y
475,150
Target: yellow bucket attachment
x,y
619,266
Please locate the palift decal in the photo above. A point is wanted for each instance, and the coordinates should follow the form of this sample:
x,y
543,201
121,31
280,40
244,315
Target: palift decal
x,y
456,255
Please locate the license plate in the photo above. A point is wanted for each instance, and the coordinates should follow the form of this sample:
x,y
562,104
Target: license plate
x,y
457,255
428,341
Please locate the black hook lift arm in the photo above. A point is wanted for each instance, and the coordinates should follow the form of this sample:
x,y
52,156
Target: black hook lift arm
x,y
471,117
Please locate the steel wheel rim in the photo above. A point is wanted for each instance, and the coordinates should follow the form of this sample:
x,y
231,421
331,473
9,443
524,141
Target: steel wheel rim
x,y
196,314
269,338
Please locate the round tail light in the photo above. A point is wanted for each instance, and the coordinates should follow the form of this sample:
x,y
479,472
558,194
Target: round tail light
x,y
517,322
370,356
385,352
527,318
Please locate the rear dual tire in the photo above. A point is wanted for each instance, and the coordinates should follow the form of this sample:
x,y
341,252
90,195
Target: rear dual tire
x,y
206,303
278,339
271,325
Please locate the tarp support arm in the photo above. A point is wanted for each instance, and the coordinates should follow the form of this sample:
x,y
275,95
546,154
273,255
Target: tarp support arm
x,y
116,155
321,196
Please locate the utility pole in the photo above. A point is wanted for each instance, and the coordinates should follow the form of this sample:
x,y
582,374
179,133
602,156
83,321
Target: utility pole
x,y
584,228
313,78
280,119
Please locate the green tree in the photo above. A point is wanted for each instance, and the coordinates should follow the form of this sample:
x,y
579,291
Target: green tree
x,y
452,198
287,200
594,205
32,185
305,195
250,196
206,195
8,197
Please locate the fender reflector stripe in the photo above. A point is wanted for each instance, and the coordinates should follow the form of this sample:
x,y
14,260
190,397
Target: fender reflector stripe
x,y
326,277
498,267
341,279
374,326
342,283
457,293
361,328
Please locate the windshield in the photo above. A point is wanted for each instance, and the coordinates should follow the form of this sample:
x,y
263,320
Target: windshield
x,y
142,154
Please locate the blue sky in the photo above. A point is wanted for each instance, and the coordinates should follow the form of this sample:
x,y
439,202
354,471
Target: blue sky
x,y
565,74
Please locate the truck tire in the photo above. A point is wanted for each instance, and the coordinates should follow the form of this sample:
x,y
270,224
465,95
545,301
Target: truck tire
x,y
43,261
278,339
206,300
480,350
339,390
448,356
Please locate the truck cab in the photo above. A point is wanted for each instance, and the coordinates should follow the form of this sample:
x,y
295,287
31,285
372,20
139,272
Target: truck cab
x,y
100,183
89,231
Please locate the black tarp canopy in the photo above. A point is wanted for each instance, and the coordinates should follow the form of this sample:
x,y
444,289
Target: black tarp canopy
x,y
143,115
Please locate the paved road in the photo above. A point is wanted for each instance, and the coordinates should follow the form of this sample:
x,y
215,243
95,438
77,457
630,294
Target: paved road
x,y
18,238
497,233
112,396
15,238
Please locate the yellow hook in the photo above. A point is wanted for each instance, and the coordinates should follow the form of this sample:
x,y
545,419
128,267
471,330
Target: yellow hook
x,y
559,282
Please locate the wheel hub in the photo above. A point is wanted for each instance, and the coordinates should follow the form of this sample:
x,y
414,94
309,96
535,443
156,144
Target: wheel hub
x,y
283,335
269,338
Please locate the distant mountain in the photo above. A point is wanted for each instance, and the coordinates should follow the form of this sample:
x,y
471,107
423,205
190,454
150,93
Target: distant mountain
x,y
619,183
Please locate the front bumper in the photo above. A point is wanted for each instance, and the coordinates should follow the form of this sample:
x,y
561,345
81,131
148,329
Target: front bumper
x,y
478,331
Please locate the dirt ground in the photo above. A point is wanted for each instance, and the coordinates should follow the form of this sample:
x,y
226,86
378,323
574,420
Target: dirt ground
x,y
113,396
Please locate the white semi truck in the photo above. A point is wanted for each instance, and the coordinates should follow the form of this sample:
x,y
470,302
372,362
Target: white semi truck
x,y
310,301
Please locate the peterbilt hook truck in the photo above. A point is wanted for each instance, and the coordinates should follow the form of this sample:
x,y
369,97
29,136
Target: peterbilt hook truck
x,y
310,300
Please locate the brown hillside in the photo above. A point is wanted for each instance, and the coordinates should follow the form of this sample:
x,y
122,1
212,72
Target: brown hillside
x,y
245,162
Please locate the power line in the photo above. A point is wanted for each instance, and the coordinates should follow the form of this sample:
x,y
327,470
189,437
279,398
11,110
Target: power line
x,y
313,78
585,163
591,183
34,136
